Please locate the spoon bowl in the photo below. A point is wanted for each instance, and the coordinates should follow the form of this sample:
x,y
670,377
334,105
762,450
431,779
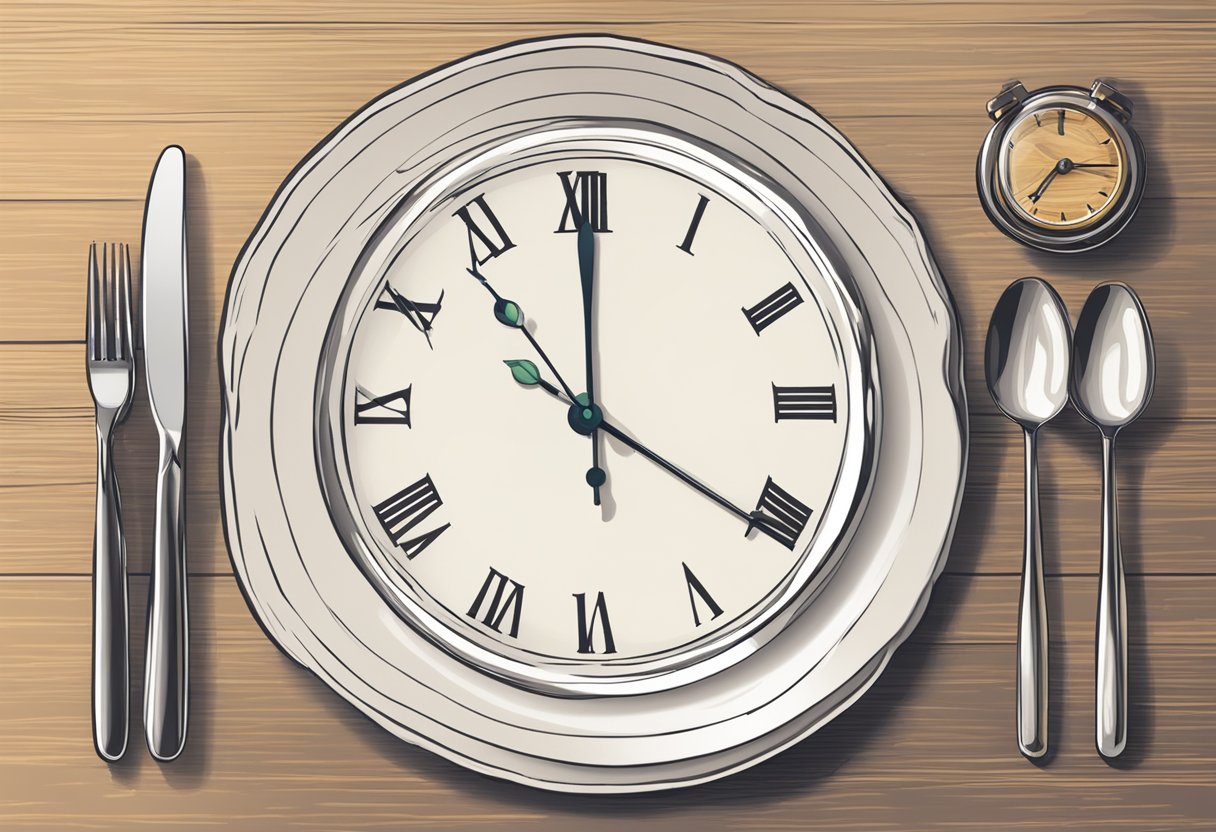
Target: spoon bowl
x,y
1027,353
1113,364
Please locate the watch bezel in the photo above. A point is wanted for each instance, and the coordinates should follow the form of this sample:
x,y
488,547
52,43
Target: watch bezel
x,y
1008,218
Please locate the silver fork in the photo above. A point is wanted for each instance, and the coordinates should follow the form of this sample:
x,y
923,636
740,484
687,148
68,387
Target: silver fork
x,y
111,370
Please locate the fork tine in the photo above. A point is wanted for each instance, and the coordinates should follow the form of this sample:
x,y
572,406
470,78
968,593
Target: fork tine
x,y
122,339
92,313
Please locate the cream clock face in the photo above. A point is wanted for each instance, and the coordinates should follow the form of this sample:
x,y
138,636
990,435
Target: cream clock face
x,y
730,450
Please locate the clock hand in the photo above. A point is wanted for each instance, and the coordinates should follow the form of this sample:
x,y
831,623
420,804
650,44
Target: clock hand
x,y
525,373
586,269
1034,197
509,314
1093,165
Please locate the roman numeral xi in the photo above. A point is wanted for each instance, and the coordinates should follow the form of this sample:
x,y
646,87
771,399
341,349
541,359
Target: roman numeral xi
x,y
403,511
487,238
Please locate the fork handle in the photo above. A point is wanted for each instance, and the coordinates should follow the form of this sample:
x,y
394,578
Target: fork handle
x,y
166,673
111,660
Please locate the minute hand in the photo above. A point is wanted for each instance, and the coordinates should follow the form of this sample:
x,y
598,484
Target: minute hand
x,y
751,517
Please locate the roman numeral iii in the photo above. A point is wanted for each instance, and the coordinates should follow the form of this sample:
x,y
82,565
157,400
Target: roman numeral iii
x,y
785,516
769,310
487,237
586,193
696,590
389,409
804,403
499,604
403,511
586,624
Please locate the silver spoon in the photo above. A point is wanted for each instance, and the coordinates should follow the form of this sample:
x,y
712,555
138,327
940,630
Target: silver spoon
x,y
1112,381
1026,362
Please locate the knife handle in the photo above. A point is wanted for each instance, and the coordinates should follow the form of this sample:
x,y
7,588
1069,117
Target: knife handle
x,y
111,661
167,670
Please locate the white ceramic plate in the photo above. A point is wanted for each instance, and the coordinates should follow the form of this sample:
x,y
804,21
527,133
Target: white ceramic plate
x,y
316,603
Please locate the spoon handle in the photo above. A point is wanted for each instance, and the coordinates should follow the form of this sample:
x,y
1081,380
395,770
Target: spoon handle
x,y
1032,621
1111,704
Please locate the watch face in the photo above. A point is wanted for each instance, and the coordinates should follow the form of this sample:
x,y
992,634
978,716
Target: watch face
x,y
548,531
1061,167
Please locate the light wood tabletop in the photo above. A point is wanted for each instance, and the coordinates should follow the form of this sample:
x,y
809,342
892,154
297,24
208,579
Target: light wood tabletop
x,y
90,93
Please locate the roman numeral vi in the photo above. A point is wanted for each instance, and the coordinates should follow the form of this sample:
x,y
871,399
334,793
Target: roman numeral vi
x,y
586,625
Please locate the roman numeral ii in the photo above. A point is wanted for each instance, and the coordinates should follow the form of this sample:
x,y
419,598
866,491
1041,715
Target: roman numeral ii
x,y
403,511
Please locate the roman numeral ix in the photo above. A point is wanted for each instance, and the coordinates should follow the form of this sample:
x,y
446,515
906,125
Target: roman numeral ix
x,y
769,310
403,511
786,517
499,604
389,409
586,194
804,403
586,625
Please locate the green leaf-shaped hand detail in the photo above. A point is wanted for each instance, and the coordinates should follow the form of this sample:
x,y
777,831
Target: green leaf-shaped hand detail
x,y
525,372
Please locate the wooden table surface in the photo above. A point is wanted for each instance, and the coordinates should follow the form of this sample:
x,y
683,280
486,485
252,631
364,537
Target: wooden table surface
x,y
90,92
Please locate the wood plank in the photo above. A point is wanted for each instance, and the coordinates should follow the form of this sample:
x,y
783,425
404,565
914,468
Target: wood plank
x,y
773,12
921,154
270,744
1167,480
1166,255
134,70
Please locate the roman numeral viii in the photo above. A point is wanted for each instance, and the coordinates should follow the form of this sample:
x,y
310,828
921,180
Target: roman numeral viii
x,y
403,511
784,517
586,625
696,590
487,237
769,310
390,409
804,403
586,194
499,603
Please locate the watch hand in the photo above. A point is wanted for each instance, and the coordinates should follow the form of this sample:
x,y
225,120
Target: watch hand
x,y
509,314
1034,197
586,270
1094,165
525,373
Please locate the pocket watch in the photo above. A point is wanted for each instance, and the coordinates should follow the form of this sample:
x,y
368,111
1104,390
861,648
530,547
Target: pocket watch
x,y
1061,169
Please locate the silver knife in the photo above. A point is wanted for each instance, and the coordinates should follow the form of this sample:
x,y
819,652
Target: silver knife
x,y
163,283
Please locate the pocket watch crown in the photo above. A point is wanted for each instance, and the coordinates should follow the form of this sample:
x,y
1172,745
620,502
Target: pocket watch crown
x,y
1011,95
1105,92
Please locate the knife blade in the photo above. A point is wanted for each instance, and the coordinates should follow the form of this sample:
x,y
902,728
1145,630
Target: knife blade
x,y
163,285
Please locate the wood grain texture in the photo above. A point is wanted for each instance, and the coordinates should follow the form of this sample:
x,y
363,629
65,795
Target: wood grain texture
x,y
90,91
